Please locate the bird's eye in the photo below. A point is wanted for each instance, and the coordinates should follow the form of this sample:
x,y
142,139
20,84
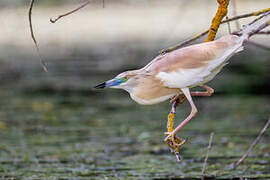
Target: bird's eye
x,y
123,79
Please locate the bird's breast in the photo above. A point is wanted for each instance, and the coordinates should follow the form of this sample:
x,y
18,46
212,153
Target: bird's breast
x,y
147,101
152,91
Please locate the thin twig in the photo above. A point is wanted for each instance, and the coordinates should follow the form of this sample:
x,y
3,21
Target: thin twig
x,y
258,138
70,12
264,32
264,25
260,17
258,29
207,154
256,13
188,41
33,35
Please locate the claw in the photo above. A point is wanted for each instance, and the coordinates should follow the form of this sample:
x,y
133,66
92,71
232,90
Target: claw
x,y
179,98
168,135
173,140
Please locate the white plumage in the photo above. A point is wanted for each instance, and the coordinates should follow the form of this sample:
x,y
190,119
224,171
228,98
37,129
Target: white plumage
x,y
198,76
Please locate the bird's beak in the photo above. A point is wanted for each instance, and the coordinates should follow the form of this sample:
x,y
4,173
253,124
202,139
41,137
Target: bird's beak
x,y
110,83
101,85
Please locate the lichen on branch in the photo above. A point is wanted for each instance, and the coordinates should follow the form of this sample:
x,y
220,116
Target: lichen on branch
x,y
221,13
188,41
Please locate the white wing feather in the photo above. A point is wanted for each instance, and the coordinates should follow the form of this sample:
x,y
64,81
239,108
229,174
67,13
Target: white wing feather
x,y
198,76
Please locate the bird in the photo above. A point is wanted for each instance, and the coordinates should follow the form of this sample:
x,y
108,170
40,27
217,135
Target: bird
x,y
172,75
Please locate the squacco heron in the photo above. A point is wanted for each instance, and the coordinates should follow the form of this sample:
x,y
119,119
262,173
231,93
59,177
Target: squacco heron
x,y
173,74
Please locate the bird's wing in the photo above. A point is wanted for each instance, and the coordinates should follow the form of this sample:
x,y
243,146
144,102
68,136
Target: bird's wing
x,y
192,65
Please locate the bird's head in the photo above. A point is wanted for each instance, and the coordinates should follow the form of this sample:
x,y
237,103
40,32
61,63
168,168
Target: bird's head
x,y
125,80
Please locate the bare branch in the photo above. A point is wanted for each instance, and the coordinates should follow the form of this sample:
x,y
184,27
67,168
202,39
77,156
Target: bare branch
x,y
71,12
220,14
256,13
260,17
183,43
258,29
207,154
264,32
264,25
33,35
258,138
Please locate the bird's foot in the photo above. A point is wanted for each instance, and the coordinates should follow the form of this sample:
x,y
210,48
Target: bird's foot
x,y
180,99
174,142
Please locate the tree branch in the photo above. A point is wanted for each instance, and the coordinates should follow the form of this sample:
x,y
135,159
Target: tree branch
x,y
262,26
188,41
264,32
71,12
256,13
207,154
257,31
221,13
258,138
33,35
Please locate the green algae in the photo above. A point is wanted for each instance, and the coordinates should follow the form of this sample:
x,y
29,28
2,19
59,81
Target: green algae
x,y
46,138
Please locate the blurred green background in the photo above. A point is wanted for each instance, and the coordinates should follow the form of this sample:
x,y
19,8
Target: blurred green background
x,y
54,125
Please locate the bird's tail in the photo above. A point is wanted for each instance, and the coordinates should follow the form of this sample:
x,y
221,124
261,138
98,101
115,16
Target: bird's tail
x,y
254,27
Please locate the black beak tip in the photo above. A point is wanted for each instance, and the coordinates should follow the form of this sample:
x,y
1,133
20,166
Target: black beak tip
x,y
100,86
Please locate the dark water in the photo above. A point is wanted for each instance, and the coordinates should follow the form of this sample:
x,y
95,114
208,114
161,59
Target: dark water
x,y
54,126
